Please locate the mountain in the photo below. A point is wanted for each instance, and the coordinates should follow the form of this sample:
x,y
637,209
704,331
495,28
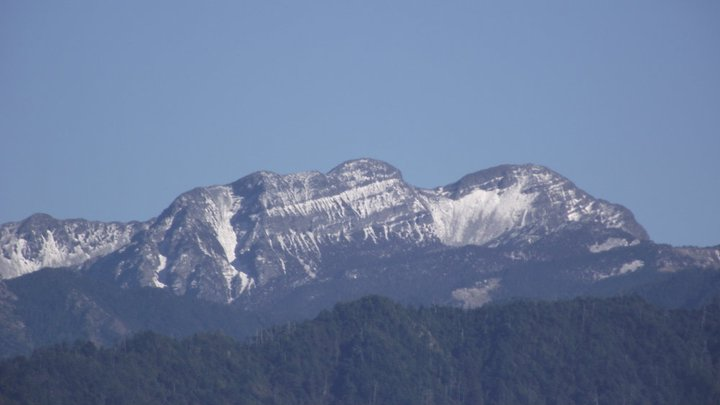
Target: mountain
x,y
373,351
287,246
264,226
43,241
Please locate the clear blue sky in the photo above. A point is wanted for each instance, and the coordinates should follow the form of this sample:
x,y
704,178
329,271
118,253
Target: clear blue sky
x,y
110,109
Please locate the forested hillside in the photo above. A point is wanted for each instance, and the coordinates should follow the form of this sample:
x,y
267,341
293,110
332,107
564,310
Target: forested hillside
x,y
373,351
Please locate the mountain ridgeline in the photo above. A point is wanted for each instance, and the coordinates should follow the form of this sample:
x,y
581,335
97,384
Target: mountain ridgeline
x,y
373,351
272,248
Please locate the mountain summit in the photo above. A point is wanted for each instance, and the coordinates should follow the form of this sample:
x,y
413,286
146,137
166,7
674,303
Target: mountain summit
x,y
360,225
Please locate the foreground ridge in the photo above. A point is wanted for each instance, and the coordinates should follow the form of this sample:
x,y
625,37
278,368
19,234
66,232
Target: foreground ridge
x,y
602,351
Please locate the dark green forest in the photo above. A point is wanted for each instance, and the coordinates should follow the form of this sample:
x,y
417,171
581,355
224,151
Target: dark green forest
x,y
373,351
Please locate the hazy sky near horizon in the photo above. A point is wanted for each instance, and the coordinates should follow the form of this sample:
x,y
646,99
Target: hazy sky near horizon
x,y
109,110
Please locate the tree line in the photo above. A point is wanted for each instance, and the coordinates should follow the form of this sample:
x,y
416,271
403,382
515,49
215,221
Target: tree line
x,y
374,351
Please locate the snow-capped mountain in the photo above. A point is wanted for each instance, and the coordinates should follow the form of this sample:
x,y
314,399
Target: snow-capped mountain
x,y
222,241
359,228
43,241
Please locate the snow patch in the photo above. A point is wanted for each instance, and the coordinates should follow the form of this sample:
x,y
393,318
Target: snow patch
x,y
229,273
369,232
246,282
162,264
310,270
630,267
14,263
611,243
222,206
481,215
624,269
478,295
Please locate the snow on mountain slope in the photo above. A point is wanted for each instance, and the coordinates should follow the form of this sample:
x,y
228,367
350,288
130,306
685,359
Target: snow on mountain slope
x,y
224,240
42,241
519,203
479,216
220,209
221,242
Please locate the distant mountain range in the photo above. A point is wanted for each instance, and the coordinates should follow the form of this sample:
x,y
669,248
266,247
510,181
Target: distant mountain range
x,y
287,246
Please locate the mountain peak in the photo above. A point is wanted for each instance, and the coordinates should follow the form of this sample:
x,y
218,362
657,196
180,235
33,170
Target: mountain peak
x,y
260,177
37,223
504,176
364,170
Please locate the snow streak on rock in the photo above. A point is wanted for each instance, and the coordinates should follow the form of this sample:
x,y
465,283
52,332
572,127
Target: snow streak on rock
x,y
221,207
